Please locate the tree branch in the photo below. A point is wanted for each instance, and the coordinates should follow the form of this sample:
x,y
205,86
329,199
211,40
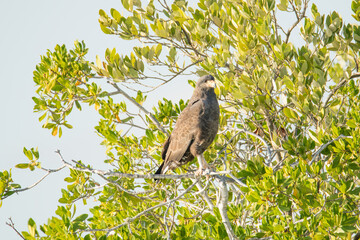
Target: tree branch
x,y
153,119
12,225
317,152
49,171
337,87
129,175
222,205
298,19
131,219
205,195
268,148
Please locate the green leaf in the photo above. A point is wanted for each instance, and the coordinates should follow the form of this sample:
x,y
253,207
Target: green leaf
x,y
98,62
28,153
78,105
22,165
105,30
158,50
253,197
278,228
349,229
32,227
116,15
128,4
111,136
81,218
313,136
290,113
351,123
42,117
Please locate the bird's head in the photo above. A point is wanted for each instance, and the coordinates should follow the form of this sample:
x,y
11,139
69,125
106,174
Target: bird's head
x,y
206,82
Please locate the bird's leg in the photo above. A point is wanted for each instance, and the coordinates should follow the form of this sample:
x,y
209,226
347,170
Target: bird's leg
x,y
200,161
206,166
202,165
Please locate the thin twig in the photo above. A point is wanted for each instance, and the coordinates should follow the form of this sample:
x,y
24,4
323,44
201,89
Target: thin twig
x,y
153,119
165,221
131,219
49,171
317,152
205,195
298,19
268,148
337,87
12,225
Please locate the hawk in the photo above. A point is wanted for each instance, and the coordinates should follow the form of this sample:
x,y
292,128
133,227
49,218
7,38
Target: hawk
x,y
194,130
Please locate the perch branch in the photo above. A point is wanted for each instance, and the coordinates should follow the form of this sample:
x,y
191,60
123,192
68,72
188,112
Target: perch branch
x,y
129,175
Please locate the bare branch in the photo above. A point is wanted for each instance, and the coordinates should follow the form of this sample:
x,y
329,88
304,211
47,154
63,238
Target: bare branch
x,y
237,180
131,219
176,75
337,87
222,205
49,171
298,19
333,91
103,174
12,225
153,119
317,152
268,148
165,221
205,195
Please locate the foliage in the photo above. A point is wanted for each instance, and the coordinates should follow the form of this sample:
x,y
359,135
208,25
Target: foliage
x,y
7,185
288,133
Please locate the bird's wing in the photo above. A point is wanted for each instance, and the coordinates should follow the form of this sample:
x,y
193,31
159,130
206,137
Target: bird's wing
x,y
165,148
184,133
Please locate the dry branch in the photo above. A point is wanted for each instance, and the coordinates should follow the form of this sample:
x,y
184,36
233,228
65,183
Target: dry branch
x,y
12,225
153,119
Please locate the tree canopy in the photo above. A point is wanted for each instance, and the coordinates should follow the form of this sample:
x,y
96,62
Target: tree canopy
x,y
286,157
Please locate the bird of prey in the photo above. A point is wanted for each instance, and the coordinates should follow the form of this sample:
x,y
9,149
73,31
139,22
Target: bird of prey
x,y
194,130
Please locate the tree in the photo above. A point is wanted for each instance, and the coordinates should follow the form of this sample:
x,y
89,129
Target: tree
x,y
287,153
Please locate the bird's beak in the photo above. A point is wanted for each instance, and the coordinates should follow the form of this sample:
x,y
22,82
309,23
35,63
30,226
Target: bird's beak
x,y
211,84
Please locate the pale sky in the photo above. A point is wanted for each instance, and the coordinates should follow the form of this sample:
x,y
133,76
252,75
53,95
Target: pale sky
x,y
28,29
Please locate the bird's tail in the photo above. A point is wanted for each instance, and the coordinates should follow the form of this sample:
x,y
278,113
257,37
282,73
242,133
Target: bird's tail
x,y
160,170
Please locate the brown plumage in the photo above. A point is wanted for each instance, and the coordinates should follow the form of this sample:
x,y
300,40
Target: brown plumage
x,y
194,130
